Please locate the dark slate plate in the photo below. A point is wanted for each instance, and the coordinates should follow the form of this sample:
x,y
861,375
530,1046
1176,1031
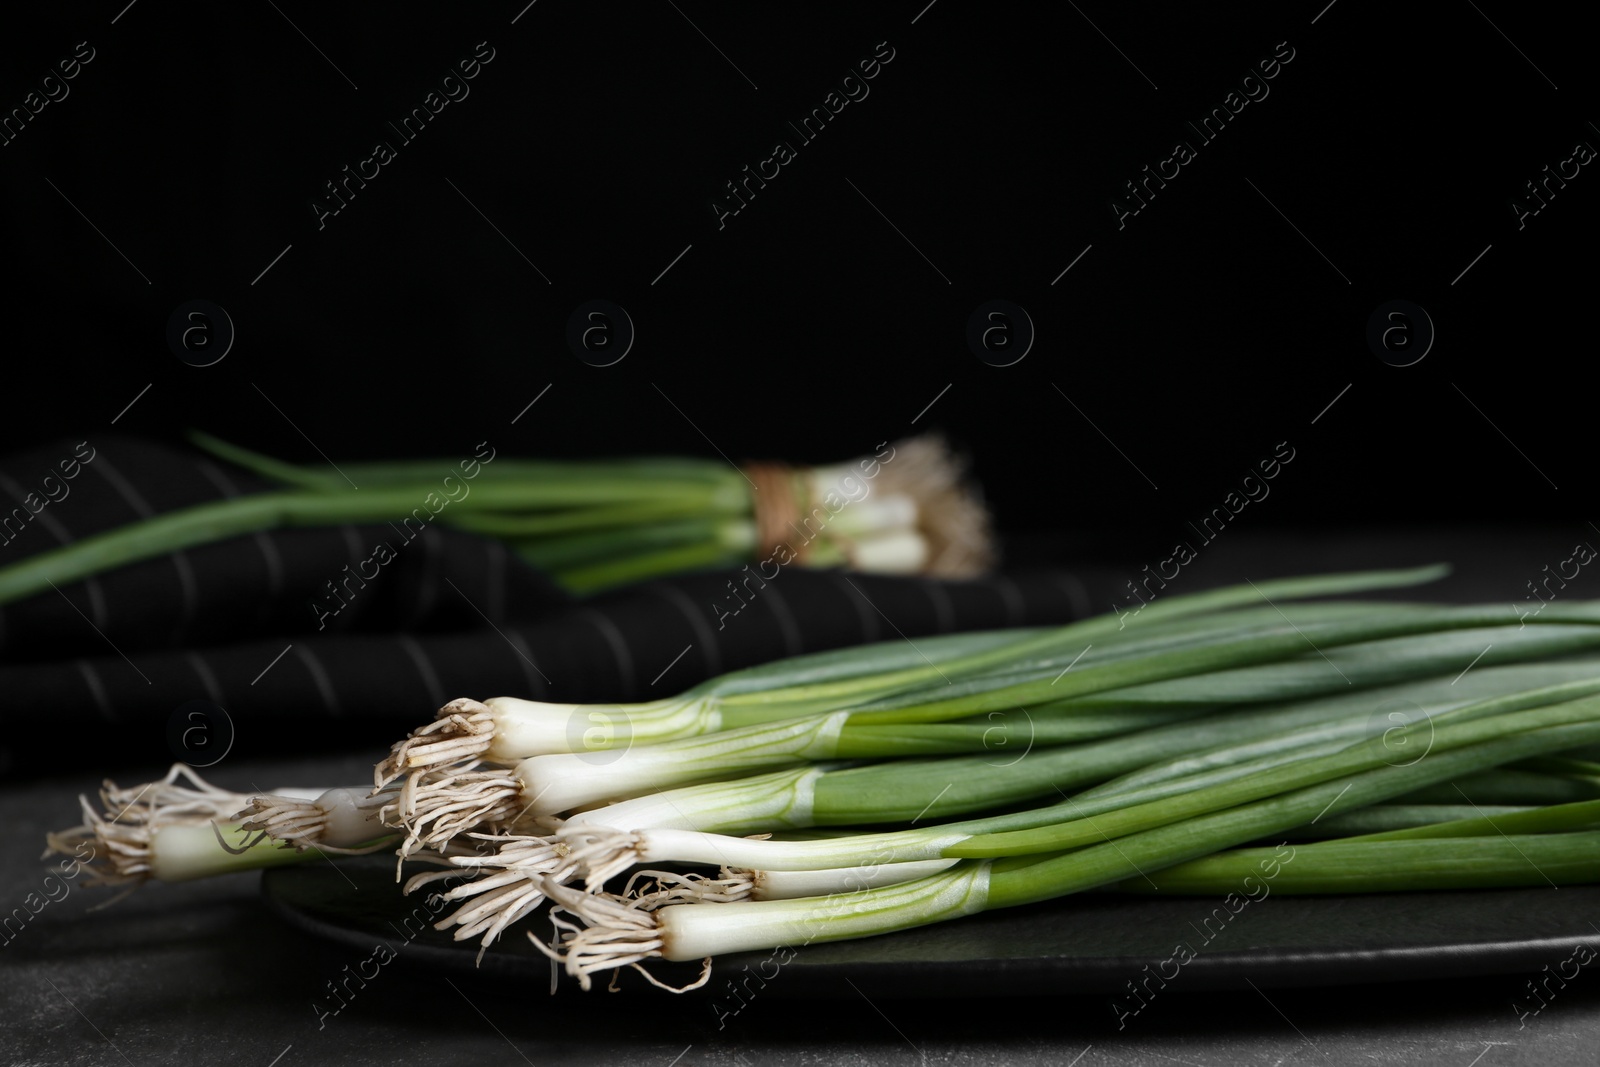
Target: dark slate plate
x,y
1091,943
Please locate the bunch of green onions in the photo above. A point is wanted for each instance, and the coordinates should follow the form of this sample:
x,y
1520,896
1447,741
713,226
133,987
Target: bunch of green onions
x,y
592,524
1400,745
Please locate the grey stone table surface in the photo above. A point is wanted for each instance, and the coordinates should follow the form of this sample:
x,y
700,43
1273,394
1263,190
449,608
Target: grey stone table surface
x,y
203,973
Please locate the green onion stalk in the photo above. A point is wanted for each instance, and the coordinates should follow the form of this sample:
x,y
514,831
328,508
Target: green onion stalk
x,y
1207,723
182,828
695,824
508,729
531,788
592,524
508,868
1074,823
1010,868
875,788
941,717
1220,873
1554,845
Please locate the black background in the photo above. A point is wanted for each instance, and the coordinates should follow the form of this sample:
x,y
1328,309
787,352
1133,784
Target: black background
x,y
1197,337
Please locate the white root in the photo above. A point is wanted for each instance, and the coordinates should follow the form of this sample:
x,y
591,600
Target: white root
x,y
438,805
671,888
119,855
497,898
511,879
122,838
295,822
602,852
121,835
168,801
614,935
456,739
341,821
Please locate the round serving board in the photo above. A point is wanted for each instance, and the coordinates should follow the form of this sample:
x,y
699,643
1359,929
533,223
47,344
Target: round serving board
x,y
1090,943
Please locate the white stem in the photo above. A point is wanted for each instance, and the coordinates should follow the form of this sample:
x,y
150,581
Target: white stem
x,y
524,728
352,817
691,932
563,782
296,792
876,514
787,885
765,802
737,535
894,552
840,478
183,852
687,846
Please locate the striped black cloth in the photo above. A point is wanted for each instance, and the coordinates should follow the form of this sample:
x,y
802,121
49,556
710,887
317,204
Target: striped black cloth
x,y
267,583
232,628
